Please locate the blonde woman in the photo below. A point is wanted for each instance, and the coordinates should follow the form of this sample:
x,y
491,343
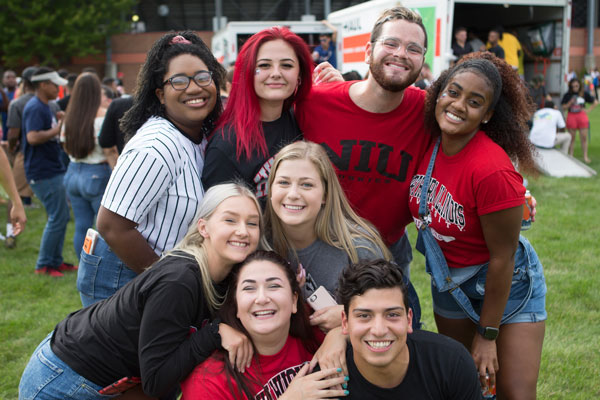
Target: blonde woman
x,y
143,331
311,222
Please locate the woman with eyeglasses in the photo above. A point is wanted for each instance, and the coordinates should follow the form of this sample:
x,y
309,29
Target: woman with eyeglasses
x,y
272,72
155,188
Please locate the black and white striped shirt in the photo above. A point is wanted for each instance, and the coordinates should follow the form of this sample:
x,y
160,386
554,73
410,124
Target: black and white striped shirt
x,y
156,183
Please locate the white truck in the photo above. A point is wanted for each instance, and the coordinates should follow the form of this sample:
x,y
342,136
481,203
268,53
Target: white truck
x,y
528,18
227,42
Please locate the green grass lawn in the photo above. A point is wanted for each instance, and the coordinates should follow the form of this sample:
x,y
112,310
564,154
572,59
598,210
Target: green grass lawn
x,y
565,236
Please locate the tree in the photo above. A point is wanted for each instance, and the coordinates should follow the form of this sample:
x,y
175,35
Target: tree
x,y
50,32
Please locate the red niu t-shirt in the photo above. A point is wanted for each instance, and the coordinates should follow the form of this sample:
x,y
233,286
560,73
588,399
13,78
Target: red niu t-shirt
x,y
375,154
209,381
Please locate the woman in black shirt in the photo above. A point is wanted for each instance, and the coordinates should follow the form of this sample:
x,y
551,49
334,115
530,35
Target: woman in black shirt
x,y
272,72
156,328
574,102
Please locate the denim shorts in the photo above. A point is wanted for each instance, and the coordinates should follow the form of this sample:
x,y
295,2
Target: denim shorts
x,y
472,282
47,377
101,274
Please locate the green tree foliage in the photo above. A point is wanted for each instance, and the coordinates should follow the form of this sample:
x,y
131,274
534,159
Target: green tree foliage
x,y
49,32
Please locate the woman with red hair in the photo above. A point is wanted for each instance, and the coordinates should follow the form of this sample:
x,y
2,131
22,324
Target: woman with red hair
x,y
272,72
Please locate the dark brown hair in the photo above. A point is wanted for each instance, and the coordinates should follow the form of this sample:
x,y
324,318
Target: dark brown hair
x,y
299,324
81,113
571,82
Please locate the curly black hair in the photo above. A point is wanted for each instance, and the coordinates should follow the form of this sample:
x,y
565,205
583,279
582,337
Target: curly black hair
x,y
512,105
152,74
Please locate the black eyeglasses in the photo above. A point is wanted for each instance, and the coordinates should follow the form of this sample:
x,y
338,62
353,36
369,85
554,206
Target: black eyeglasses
x,y
182,82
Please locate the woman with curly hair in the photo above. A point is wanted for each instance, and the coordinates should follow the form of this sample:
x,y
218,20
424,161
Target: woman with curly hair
x,y
467,201
155,188
272,72
574,103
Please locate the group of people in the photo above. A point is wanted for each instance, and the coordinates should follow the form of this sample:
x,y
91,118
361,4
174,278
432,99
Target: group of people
x,y
502,44
180,287
548,121
54,153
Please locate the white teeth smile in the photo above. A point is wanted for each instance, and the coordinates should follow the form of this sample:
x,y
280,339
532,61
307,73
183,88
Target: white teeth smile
x,y
263,313
453,117
239,244
295,208
398,66
379,344
195,101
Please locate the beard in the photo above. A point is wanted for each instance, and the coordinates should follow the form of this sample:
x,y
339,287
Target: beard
x,y
391,84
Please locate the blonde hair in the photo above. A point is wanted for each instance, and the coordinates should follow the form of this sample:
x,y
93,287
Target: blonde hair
x,y
193,244
337,223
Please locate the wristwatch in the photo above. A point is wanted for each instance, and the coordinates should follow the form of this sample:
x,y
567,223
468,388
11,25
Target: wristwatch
x,y
488,332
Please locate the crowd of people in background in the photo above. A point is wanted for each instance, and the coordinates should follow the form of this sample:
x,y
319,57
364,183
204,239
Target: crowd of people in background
x,y
582,90
185,287
53,90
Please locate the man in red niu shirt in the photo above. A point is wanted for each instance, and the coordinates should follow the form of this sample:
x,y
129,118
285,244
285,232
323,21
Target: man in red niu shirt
x,y
373,129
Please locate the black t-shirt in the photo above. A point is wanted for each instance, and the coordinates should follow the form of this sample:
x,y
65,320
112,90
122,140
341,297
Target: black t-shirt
x,y
221,164
497,50
439,368
64,102
142,330
110,134
579,103
461,51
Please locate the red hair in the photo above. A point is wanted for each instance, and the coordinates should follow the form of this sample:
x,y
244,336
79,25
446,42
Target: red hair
x,y
242,114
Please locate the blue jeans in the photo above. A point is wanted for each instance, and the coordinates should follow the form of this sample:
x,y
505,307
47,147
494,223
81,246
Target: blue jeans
x,y
528,271
85,184
47,377
51,193
101,274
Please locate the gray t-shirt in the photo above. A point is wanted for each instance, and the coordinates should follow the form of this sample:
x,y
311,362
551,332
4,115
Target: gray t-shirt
x,y
324,263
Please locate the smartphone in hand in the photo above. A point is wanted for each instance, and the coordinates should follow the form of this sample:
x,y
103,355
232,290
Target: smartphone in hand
x,y
321,298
